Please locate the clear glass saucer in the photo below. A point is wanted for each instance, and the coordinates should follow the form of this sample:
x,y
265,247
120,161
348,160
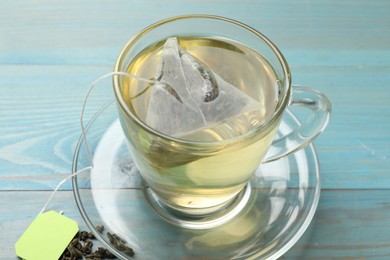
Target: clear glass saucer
x,y
282,201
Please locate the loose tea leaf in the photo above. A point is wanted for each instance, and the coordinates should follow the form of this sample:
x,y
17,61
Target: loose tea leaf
x,y
100,228
120,244
81,247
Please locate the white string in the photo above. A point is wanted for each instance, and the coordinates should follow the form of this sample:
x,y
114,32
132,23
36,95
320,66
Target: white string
x,y
90,88
83,130
59,185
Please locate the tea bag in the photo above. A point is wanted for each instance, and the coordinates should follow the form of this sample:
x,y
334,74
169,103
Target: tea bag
x,y
189,96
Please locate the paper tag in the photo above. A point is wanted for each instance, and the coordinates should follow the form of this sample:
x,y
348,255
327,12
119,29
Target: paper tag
x,y
47,237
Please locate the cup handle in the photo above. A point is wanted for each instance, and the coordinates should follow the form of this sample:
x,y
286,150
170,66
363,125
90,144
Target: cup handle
x,y
320,108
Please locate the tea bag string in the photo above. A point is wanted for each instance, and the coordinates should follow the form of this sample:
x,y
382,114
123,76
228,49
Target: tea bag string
x,y
83,129
91,87
60,184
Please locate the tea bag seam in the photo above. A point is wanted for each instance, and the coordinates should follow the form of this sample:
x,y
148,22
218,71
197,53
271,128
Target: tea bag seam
x,y
193,99
185,80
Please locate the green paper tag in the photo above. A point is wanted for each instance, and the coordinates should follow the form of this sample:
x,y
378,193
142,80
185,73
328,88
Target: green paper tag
x,y
47,237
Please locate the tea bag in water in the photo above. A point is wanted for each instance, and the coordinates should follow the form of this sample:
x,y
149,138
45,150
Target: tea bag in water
x,y
190,97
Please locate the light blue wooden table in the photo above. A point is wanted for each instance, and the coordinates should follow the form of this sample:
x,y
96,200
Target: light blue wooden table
x,y
51,50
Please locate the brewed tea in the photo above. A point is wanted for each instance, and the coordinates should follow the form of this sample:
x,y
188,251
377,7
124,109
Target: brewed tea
x,y
215,172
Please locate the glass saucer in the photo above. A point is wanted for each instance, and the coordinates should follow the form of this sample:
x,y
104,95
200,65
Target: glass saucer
x,y
282,201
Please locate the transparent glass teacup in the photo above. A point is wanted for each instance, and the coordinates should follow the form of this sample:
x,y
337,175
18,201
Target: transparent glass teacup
x,y
206,178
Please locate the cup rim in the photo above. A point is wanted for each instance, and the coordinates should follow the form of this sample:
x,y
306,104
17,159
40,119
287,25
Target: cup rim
x,y
282,103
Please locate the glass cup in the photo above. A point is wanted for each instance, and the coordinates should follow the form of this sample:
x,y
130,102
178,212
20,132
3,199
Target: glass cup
x,y
192,180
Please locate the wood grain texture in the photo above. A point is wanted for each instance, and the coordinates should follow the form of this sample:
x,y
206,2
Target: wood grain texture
x,y
51,50
335,233
93,32
41,107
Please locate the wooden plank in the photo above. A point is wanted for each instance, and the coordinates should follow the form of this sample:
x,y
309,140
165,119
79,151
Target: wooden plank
x,y
354,151
93,32
349,224
336,231
40,110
